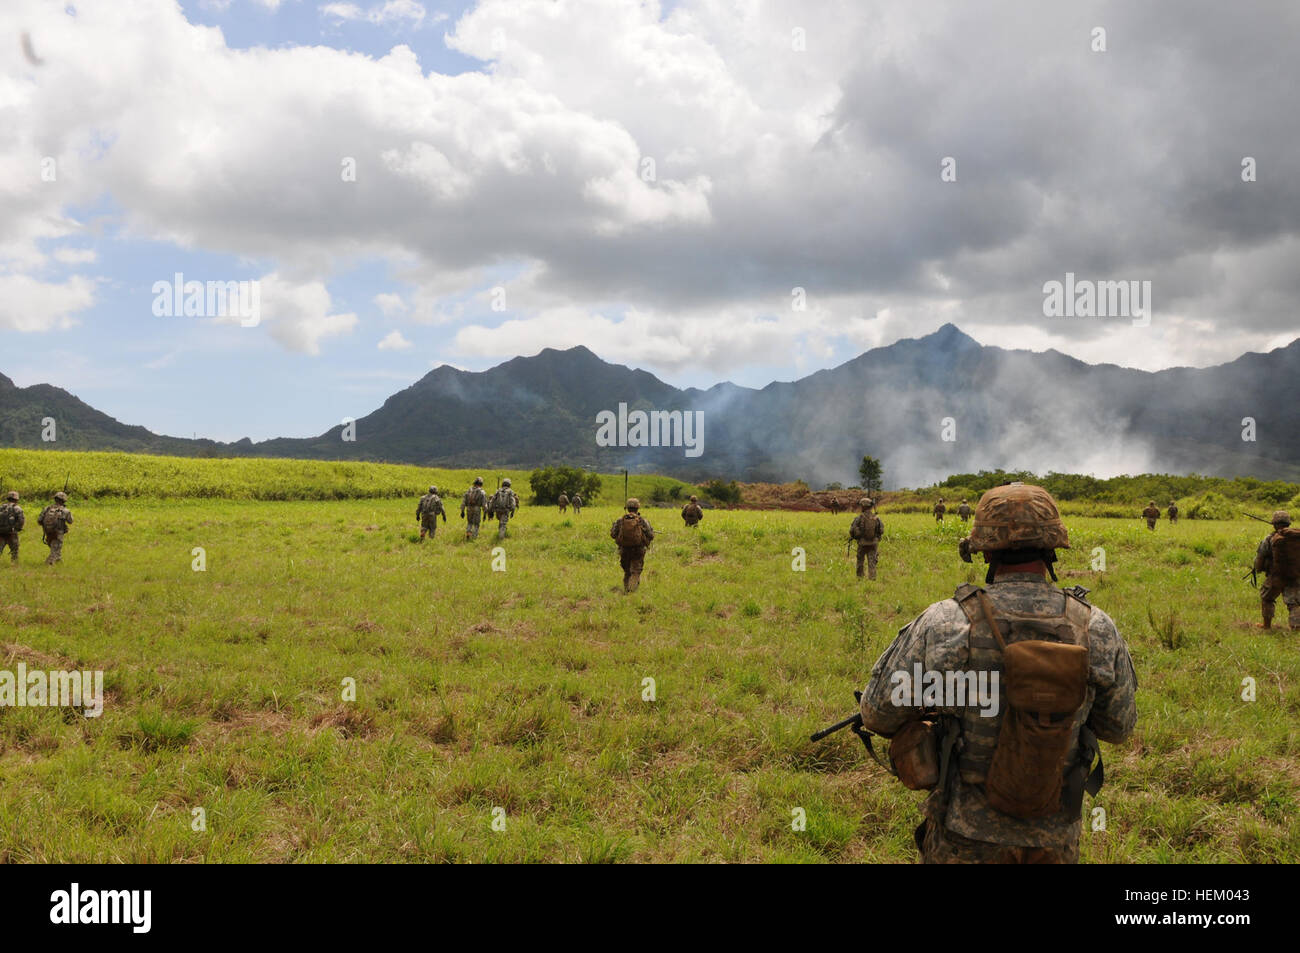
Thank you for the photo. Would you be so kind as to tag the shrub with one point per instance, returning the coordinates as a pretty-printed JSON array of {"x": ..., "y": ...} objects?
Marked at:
[
  {"x": 722, "y": 492},
  {"x": 548, "y": 483}
]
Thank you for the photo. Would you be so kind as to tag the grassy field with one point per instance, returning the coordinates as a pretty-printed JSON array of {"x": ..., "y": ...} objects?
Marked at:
[{"x": 522, "y": 690}]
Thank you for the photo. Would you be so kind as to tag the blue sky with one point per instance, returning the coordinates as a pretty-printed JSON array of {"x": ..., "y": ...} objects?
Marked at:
[{"x": 791, "y": 215}]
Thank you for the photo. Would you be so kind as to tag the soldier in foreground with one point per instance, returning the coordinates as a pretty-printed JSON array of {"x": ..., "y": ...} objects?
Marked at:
[
  {"x": 471, "y": 508},
  {"x": 1008, "y": 774},
  {"x": 1173, "y": 512},
  {"x": 692, "y": 512},
  {"x": 55, "y": 520},
  {"x": 634, "y": 536},
  {"x": 1278, "y": 556},
  {"x": 964, "y": 511},
  {"x": 576, "y": 501},
  {"x": 939, "y": 510},
  {"x": 1151, "y": 514},
  {"x": 564, "y": 502},
  {"x": 867, "y": 529},
  {"x": 427, "y": 512},
  {"x": 503, "y": 504},
  {"x": 12, "y": 521}
]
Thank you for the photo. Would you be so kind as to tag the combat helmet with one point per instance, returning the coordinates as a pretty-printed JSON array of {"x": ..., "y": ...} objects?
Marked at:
[
  {"x": 1016, "y": 517},
  {"x": 13, "y": 495},
  {"x": 1152, "y": 503},
  {"x": 60, "y": 497},
  {"x": 506, "y": 481},
  {"x": 633, "y": 503},
  {"x": 478, "y": 481},
  {"x": 866, "y": 503},
  {"x": 694, "y": 498},
  {"x": 1281, "y": 517},
  {"x": 433, "y": 490}
]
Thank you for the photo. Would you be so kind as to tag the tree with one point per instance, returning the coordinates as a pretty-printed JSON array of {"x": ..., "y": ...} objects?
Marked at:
[
  {"x": 871, "y": 474},
  {"x": 549, "y": 482}
]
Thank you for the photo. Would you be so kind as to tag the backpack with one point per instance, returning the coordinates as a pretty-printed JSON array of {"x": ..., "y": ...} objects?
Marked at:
[
  {"x": 429, "y": 504},
  {"x": 694, "y": 511},
  {"x": 10, "y": 522},
  {"x": 52, "y": 520},
  {"x": 629, "y": 531},
  {"x": 866, "y": 526},
  {"x": 502, "y": 502},
  {"x": 1044, "y": 684},
  {"x": 1286, "y": 555}
]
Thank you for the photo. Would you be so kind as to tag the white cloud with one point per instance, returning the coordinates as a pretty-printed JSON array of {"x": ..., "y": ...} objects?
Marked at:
[
  {"x": 393, "y": 11},
  {"x": 76, "y": 256},
  {"x": 394, "y": 341},
  {"x": 298, "y": 314},
  {"x": 391, "y": 304},
  {"x": 27, "y": 304}
]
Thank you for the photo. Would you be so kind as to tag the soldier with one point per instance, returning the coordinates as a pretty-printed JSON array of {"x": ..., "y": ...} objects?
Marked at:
[
  {"x": 576, "y": 502},
  {"x": 867, "y": 529},
  {"x": 12, "y": 521},
  {"x": 1278, "y": 555},
  {"x": 473, "y": 503},
  {"x": 427, "y": 512},
  {"x": 633, "y": 535},
  {"x": 1173, "y": 512},
  {"x": 993, "y": 799},
  {"x": 564, "y": 503},
  {"x": 834, "y": 506},
  {"x": 692, "y": 512},
  {"x": 503, "y": 505},
  {"x": 939, "y": 510},
  {"x": 55, "y": 520},
  {"x": 964, "y": 511},
  {"x": 1151, "y": 514}
]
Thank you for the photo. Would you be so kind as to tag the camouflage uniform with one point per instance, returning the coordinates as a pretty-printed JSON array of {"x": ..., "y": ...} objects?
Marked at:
[
  {"x": 692, "y": 512},
  {"x": 1151, "y": 514},
  {"x": 939, "y": 510},
  {"x": 504, "y": 504},
  {"x": 834, "y": 507},
  {"x": 960, "y": 825},
  {"x": 55, "y": 520},
  {"x": 1274, "y": 586},
  {"x": 576, "y": 502},
  {"x": 964, "y": 511},
  {"x": 11, "y": 514},
  {"x": 1173, "y": 512},
  {"x": 632, "y": 558},
  {"x": 564, "y": 502},
  {"x": 867, "y": 529},
  {"x": 427, "y": 512},
  {"x": 471, "y": 508}
]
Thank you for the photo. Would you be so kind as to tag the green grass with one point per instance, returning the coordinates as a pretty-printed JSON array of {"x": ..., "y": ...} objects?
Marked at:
[{"x": 524, "y": 689}]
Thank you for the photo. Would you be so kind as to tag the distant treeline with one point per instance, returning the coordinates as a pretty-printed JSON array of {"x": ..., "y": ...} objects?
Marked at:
[{"x": 1198, "y": 497}]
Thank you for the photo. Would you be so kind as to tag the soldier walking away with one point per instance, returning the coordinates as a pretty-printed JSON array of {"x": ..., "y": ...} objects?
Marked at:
[
  {"x": 576, "y": 502},
  {"x": 1151, "y": 514},
  {"x": 564, "y": 503},
  {"x": 964, "y": 511},
  {"x": 692, "y": 512},
  {"x": 12, "y": 521},
  {"x": 834, "y": 506},
  {"x": 939, "y": 510},
  {"x": 1278, "y": 556},
  {"x": 503, "y": 504},
  {"x": 1173, "y": 512},
  {"x": 472, "y": 505},
  {"x": 867, "y": 529},
  {"x": 427, "y": 512},
  {"x": 55, "y": 520},
  {"x": 634, "y": 536},
  {"x": 1007, "y": 773}
]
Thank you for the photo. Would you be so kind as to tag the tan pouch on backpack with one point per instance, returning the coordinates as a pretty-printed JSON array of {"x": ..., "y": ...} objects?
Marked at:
[
  {"x": 629, "y": 531},
  {"x": 1044, "y": 685},
  {"x": 914, "y": 755}
]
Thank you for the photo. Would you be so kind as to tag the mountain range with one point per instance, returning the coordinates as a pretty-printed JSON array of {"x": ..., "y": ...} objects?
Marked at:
[{"x": 926, "y": 407}]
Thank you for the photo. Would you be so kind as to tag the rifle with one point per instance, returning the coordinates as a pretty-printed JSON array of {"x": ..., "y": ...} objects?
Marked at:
[
  {"x": 854, "y": 724},
  {"x": 1254, "y": 517},
  {"x": 1254, "y": 582}
]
